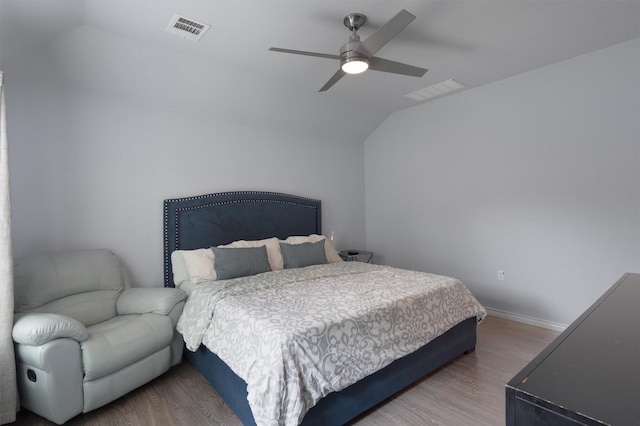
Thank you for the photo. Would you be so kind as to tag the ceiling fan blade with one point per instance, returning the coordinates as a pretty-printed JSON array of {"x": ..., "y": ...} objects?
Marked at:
[
  {"x": 385, "y": 65},
  {"x": 387, "y": 32},
  {"x": 302, "y": 52},
  {"x": 333, "y": 80}
]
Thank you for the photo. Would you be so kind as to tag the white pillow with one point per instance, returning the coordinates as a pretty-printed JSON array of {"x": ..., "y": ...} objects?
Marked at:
[
  {"x": 179, "y": 269},
  {"x": 273, "y": 250},
  {"x": 330, "y": 251},
  {"x": 193, "y": 265}
]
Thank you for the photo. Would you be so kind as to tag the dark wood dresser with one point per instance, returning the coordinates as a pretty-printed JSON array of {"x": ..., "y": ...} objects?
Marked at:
[{"x": 590, "y": 374}]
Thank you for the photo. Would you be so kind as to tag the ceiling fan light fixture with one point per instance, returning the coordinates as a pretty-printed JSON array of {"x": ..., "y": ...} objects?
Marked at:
[{"x": 355, "y": 65}]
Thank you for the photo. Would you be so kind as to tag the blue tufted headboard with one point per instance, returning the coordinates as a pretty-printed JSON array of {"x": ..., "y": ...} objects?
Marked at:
[{"x": 210, "y": 220}]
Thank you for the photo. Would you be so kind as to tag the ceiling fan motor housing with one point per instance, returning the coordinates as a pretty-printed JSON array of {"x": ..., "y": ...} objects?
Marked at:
[{"x": 349, "y": 51}]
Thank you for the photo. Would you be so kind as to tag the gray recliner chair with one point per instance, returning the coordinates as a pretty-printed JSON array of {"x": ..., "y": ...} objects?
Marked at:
[{"x": 81, "y": 339}]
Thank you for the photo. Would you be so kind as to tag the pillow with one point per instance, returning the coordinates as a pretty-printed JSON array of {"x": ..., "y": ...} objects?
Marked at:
[
  {"x": 303, "y": 254},
  {"x": 330, "y": 251},
  {"x": 240, "y": 261},
  {"x": 180, "y": 273},
  {"x": 273, "y": 250},
  {"x": 193, "y": 265}
]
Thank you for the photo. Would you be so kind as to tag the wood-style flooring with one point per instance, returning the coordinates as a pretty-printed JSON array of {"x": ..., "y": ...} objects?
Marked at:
[{"x": 467, "y": 391}]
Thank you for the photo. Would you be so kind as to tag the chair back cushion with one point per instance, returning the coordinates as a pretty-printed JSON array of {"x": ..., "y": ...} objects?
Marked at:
[{"x": 83, "y": 285}]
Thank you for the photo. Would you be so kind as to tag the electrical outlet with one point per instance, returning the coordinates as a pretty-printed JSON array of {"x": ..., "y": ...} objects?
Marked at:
[{"x": 501, "y": 275}]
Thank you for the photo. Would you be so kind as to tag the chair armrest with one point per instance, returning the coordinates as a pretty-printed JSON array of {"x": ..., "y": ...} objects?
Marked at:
[
  {"x": 36, "y": 329},
  {"x": 149, "y": 300}
]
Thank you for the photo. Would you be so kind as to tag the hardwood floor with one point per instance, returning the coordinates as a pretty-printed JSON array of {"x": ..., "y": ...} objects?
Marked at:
[{"x": 467, "y": 391}]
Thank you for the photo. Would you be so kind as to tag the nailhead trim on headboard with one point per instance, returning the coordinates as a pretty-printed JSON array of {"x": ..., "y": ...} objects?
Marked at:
[{"x": 173, "y": 207}]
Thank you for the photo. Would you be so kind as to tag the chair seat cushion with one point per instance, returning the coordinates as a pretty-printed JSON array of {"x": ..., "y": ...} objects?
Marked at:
[{"x": 123, "y": 340}]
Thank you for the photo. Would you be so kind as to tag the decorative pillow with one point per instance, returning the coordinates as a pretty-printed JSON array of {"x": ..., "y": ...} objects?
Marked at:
[
  {"x": 330, "y": 251},
  {"x": 273, "y": 250},
  {"x": 303, "y": 254},
  {"x": 239, "y": 262},
  {"x": 193, "y": 265}
]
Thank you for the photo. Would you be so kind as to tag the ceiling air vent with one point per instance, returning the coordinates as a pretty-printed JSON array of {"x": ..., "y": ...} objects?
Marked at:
[
  {"x": 187, "y": 28},
  {"x": 436, "y": 90}
]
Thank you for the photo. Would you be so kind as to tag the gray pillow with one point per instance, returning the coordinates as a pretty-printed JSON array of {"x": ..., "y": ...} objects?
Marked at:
[
  {"x": 239, "y": 262},
  {"x": 305, "y": 254}
]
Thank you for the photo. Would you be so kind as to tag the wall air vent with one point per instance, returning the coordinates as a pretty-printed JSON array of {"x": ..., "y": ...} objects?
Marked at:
[
  {"x": 436, "y": 90},
  {"x": 187, "y": 28}
]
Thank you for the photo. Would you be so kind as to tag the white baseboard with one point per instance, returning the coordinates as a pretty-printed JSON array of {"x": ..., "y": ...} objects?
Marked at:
[{"x": 526, "y": 319}]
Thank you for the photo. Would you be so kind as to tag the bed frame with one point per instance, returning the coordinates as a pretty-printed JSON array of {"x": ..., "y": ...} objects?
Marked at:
[{"x": 214, "y": 219}]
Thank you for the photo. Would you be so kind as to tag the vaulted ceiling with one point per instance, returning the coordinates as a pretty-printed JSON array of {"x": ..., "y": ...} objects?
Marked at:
[{"x": 120, "y": 48}]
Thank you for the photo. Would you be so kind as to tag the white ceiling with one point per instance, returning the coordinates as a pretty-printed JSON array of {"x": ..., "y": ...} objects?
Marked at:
[{"x": 120, "y": 47}]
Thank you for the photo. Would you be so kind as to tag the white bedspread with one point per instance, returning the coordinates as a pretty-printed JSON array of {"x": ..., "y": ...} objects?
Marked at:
[{"x": 298, "y": 334}]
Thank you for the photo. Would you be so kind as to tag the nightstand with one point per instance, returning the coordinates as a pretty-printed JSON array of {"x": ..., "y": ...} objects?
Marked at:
[{"x": 357, "y": 256}]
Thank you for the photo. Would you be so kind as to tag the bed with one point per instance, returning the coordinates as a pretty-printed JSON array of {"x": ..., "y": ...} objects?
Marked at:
[{"x": 212, "y": 220}]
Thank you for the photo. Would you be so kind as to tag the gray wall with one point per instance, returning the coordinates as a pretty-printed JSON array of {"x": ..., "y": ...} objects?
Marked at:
[
  {"x": 537, "y": 175},
  {"x": 92, "y": 170},
  {"x": 103, "y": 128}
]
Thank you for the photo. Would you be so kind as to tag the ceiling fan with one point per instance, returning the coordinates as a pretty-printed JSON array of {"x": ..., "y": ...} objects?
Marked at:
[{"x": 357, "y": 56}]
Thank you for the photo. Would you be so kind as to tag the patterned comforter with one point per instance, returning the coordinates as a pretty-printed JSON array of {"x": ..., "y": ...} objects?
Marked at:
[{"x": 296, "y": 335}]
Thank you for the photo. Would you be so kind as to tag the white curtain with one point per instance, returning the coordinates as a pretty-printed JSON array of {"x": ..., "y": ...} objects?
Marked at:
[{"x": 8, "y": 390}]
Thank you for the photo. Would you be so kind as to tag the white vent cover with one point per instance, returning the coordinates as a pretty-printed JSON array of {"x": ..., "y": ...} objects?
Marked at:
[
  {"x": 187, "y": 28},
  {"x": 436, "y": 90}
]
